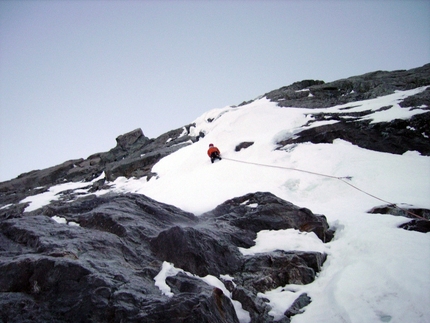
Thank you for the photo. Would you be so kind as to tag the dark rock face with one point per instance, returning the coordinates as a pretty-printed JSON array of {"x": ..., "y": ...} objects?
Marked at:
[
  {"x": 397, "y": 136},
  {"x": 265, "y": 272},
  {"x": 417, "y": 225},
  {"x": 296, "y": 308},
  {"x": 317, "y": 94},
  {"x": 261, "y": 211},
  {"x": 198, "y": 251},
  {"x": 128, "y": 139},
  {"x": 104, "y": 269},
  {"x": 243, "y": 145}
]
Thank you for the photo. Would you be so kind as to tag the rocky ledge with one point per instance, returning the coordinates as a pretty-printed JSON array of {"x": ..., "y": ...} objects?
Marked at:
[
  {"x": 95, "y": 259},
  {"x": 318, "y": 94}
]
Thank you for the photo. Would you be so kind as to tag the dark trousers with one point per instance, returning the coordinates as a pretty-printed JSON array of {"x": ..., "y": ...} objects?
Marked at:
[{"x": 214, "y": 156}]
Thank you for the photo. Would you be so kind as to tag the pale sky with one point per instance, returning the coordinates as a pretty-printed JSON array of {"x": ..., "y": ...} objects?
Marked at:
[{"x": 74, "y": 75}]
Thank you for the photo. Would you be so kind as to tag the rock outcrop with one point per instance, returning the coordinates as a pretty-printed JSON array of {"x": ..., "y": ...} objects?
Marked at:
[
  {"x": 103, "y": 270},
  {"x": 421, "y": 217},
  {"x": 317, "y": 94},
  {"x": 133, "y": 156},
  {"x": 396, "y": 137}
]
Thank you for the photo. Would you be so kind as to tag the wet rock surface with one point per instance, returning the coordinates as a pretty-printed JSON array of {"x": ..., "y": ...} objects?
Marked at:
[{"x": 104, "y": 269}]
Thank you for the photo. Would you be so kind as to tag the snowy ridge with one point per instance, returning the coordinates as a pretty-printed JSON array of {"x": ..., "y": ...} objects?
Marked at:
[{"x": 366, "y": 277}]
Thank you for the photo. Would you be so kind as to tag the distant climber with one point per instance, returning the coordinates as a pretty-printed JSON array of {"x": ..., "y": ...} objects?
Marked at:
[{"x": 214, "y": 153}]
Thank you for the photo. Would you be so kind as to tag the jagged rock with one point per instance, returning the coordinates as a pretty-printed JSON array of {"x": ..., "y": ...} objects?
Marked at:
[
  {"x": 129, "y": 138},
  {"x": 421, "y": 217},
  {"x": 401, "y": 211},
  {"x": 317, "y": 94},
  {"x": 296, "y": 308},
  {"x": 264, "y": 211},
  {"x": 204, "y": 303},
  {"x": 198, "y": 251},
  {"x": 417, "y": 225},
  {"x": 264, "y": 272},
  {"x": 133, "y": 156},
  {"x": 256, "y": 306},
  {"x": 34, "y": 182},
  {"x": 194, "y": 301},
  {"x": 101, "y": 271},
  {"x": 104, "y": 269},
  {"x": 211, "y": 247},
  {"x": 397, "y": 136},
  {"x": 243, "y": 145},
  {"x": 136, "y": 167}
]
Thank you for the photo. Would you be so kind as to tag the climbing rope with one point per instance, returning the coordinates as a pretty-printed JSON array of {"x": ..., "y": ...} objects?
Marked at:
[
  {"x": 289, "y": 168},
  {"x": 342, "y": 178}
]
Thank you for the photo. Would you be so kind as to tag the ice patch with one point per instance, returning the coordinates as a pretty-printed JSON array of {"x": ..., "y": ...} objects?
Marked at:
[
  {"x": 74, "y": 224},
  {"x": 59, "y": 219},
  {"x": 167, "y": 270},
  {"x": 6, "y": 206}
]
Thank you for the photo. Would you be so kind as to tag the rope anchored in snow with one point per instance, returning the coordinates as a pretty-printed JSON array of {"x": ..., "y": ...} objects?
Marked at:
[{"x": 342, "y": 178}]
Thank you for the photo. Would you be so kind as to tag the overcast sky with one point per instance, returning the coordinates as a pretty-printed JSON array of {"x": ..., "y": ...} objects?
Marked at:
[{"x": 76, "y": 74}]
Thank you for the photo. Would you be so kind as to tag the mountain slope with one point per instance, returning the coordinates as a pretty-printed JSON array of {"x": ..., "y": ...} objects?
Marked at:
[
  {"x": 186, "y": 178},
  {"x": 337, "y": 152}
]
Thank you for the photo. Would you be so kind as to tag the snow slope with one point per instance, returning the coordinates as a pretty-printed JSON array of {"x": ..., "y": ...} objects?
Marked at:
[{"x": 375, "y": 272}]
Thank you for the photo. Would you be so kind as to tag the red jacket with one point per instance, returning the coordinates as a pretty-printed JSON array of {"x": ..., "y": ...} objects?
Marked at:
[{"x": 213, "y": 150}]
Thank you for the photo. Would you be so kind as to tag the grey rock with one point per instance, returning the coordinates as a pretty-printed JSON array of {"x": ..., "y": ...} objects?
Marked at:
[
  {"x": 317, "y": 94},
  {"x": 104, "y": 269},
  {"x": 297, "y": 306},
  {"x": 397, "y": 136},
  {"x": 267, "y": 271},
  {"x": 264, "y": 211},
  {"x": 128, "y": 139},
  {"x": 133, "y": 156},
  {"x": 401, "y": 211},
  {"x": 243, "y": 145},
  {"x": 198, "y": 251},
  {"x": 421, "y": 217},
  {"x": 418, "y": 225}
]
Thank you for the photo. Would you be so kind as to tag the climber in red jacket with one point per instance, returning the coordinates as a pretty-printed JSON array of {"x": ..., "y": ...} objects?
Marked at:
[{"x": 213, "y": 153}]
